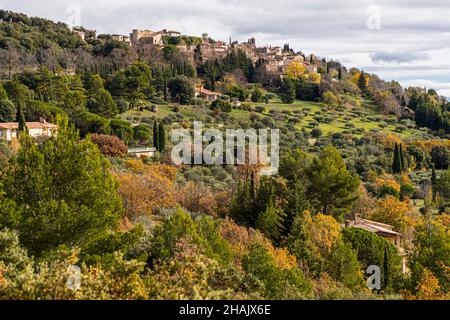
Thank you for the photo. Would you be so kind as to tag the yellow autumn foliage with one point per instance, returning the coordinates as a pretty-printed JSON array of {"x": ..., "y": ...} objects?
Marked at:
[{"x": 295, "y": 70}]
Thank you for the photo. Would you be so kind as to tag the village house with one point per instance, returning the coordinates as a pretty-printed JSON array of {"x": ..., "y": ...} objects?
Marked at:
[
  {"x": 206, "y": 94},
  {"x": 147, "y": 36},
  {"x": 121, "y": 38},
  {"x": 84, "y": 34},
  {"x": 385, "y": 231},
  {"x": 170, "y": 33},
  {"x": 10, "y": 130},
  {"x": 152, "y": 37}
]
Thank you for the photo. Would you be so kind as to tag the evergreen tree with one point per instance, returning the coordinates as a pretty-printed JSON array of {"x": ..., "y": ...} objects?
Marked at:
[
  {"x": 332, "y": 188},
  {"x": 21, "y": 118},
  {"x": 165, "y": 85},
  {"x": 270, "y": 222},
  {"x": 403, "y": 165},
  {"x": 161, "y": 138},
  {"x": 387, "y": 272},
  {"x": 63, "y": 192},
  {"x": 362, "y": 84},
  {"x": 297, "y": 203},
  {"x": 287, "y": 91},
  {"x": 340, "y": 74},
  {"x": 243, "y": 204},
  {"x": 155, "y": 135},
  {"x": 433, "y": 175},
  {"x": 396, "y": 164}
]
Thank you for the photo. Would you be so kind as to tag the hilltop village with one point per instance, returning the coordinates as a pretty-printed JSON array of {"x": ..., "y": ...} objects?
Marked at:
[{"x": 275, "y": 59}]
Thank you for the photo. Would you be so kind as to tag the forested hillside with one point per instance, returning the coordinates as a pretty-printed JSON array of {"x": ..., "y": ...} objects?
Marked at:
[{"x": 354, "y": 149}]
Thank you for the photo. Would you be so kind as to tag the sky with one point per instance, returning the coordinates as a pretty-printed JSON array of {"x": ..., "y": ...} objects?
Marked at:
[{"x": 403, "y": 40}]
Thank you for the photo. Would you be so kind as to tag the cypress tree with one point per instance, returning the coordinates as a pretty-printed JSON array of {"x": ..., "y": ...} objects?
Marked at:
[
  {"x": 396, "y": 164},
  {"x": 161, "y": 138},
  {"x": 387, "y": 269},
  {"x": 362, "y": 82},
  {"x": 433, "y": 175},
  {"x": 340, "y": 74},
  {"x": 403, "y": 166},
  {"x": 242, "y": 209},
  {"x": 155, "y": 135},
  {"x": 21, "y": 118},
  {"x": 165, "y": 84},
  {"x": 434, "y": 185}
]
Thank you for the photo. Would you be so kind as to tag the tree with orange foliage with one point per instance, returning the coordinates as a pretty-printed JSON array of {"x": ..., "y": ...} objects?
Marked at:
[
  {"x": 241, "y": 238},
  {"x": 146, "y": 187},
  {"x": 109, "y": 146},
  {"x": 196, "y": 197},
  {"x": 392, "y": 211},
  {"x": 428, "y": 288},
  {"x": 325, "y": 231}
]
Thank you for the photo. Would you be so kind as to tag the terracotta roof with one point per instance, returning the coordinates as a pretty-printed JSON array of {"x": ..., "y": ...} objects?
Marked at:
[
  {"x": 375, "y": 227},
  {"x": 207, "y": 92},
  {"x": 30, "y": 125}
]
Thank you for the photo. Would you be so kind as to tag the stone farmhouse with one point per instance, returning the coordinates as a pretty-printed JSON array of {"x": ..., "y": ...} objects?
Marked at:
[
  {"x": 10, "y": 130},
  {"x": 207, "y": 94},
  {"x": 383, "y": 230}
]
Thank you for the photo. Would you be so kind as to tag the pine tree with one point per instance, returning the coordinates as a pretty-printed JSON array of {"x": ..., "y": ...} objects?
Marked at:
[
  {"x": 161, "y": 138},
  {"x": 21, "y": 118},
  {"x": 155, "y": 135},
  {"x": 340, "y": 74}
]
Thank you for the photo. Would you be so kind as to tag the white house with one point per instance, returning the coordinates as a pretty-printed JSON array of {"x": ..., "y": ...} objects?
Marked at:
[
  {"x": 9, "y": 130},
  {"x": 142, "y": 152}
]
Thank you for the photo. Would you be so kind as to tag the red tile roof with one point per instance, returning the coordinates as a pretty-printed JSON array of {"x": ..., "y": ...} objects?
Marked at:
[
  {"x": 30, "y": 125},
  {"x": 207, "y": 92}
]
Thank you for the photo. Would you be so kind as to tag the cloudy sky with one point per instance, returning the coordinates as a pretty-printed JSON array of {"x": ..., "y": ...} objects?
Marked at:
[{"x": 404, "y": 40}]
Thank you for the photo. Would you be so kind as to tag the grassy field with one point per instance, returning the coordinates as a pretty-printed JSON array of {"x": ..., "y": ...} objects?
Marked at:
[{"x": 305, "y": 112}]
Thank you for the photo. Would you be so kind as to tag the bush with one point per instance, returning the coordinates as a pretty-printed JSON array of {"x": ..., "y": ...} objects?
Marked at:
[
  {"x": 110, "y": 146},
  {"x": 316, "y": 133},
  {"x": 221, "y": 105},
  {"x": 141, "y": 133},
  {"x": 122, "y": 130},
  {"x": 260, "y": 109}
]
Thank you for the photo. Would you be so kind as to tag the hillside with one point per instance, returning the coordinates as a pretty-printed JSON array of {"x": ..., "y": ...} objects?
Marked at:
[{"x": 363, "y": 178}]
